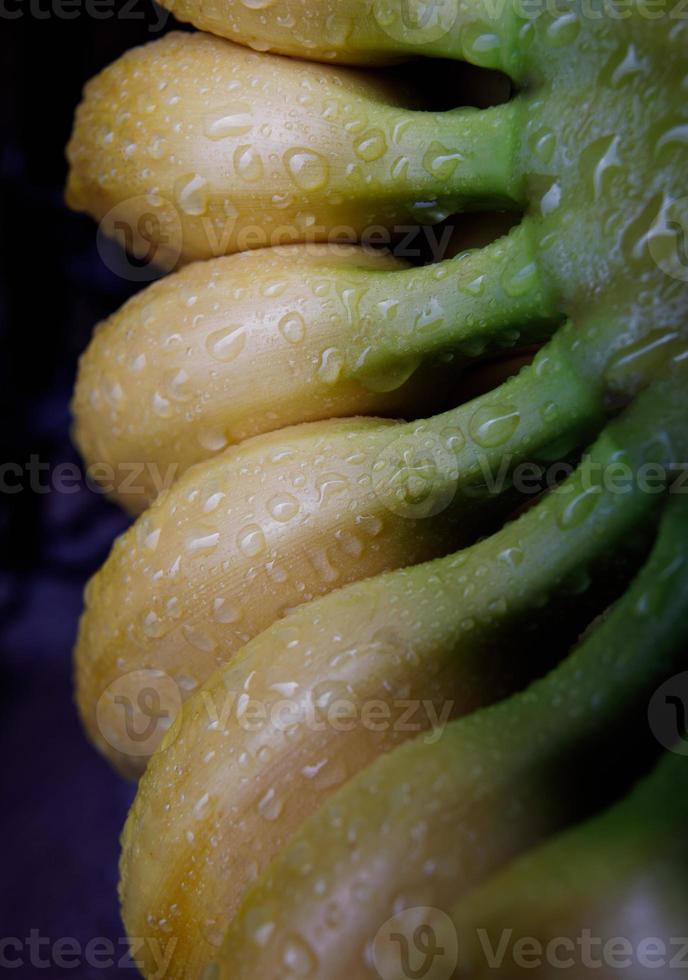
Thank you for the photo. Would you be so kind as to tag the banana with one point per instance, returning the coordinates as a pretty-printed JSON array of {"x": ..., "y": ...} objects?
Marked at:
[
  {"x": 311, "y": 701},
  {"x": 425, "y": 824},
  {"x": 241, "y": 345}
]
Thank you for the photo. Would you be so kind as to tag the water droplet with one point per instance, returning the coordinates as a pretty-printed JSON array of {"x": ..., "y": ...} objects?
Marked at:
[
  {"x": 331, "y": 366},
  {"x": 440, "y": 161},
  {"x": 226, "y": 345},
  {"x": 493, "y": 425},
  {"x": 293, "y": 328},
  {"x": 161, "y": 406},
  {"x": 176, "y": 383},
  {"x": 308, "y": 170},
  {"x": 563, "y": 30},
  {"x": 283, "y": 507},
  {"x": 251, "y": 540},
  {"x": 579, "y": 509},
  {"x": 236, "y": 121},
  {"x": 153, "y": 626},
  {"x": 202, "y": 541},
  {"x": 191, "y": 193},
  {"x": 224, "y": 612},
  {"x": 214, "y": 440},
  {"x": 270, "y": 806},
  {"x": 298, "y": 958},
  {"x": 371, "y": 146},
  {"x": 198, "y": 639},
  {"x": 521, "y": 281},
  {"x": 248, "y": 163}
]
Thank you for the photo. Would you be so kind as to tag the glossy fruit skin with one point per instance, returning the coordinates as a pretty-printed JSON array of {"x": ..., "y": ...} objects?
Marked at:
[
  {"x": 285, "y": 517},
  {"x": 465, "y": 631},
  {"x": 593, "y": 147},
  {"x": 594, "y": 873},
  {"x": 231, "y": 348},
  {"x": 424, "y": 825}
]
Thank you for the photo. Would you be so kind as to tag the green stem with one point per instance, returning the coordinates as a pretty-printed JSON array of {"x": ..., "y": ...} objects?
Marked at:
[
  {"x": 482, "y": 32},
  {"x": 444, "y": 162},
  {"x": 480, "y": 302}
]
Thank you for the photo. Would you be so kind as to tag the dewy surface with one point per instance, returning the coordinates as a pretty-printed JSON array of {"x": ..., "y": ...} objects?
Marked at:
[
  {"x": 218, "y": 140},
  {"x": 594, "y": 145}
]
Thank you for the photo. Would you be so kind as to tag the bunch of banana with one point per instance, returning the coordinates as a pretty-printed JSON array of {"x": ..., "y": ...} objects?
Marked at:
[{"x": 280, "y": 389}]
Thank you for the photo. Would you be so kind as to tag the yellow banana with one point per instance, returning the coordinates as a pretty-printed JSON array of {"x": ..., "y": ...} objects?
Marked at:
[
  {"x": 317, "y": 697},
  {"x": 291, "y": 515},
  {"x": 202, "y": 147},
  {"x": 360, "y": 31},
  {"x": 250, "y": 343}
]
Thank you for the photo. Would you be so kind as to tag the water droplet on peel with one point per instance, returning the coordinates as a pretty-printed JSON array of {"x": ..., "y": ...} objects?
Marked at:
[
  {"x": 563, "y": 30},
  {"x": 293, "y": 328},
  {"x": 440, "y": 161},
  {"x": 226, "y": 345},
  {"x": 331, "y": 366},
  {"x": 191, "y": 194},
  {"x": 198, "y": 639},
  {"x": 298, "y": 958},
  {"x": 248, "y": 163},
  {"x": 283, "y": 507},
  {"x": 270, "y": 806},
  {"x": 161, "y": 406},
  {"x": 521, "y": 281},
  {"x": 214, "y": 440},
  {"x": 251, "y": 540},
  {"x": 224, "y": 612},
  {"x": 236, "y": 121},
  {"x": 371, "y": 146},
  {"x": 579, "y": 509},
  {"x": 308, "y": 170},
  {"x": 493, "y": 425}
]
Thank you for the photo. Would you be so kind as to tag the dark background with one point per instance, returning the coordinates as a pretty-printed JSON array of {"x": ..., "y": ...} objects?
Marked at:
[{"x": 62, "y": 807}]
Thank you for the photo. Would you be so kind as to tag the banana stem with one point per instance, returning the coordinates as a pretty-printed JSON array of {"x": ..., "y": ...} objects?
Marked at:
[
  {"x": 480, "y": 302},
  {"x": 454, "y": 159}
]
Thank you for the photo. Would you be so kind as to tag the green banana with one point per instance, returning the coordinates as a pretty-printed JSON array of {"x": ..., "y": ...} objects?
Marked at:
[
  {"x": 450, "y": 636},
  {"x": 424, "y": 824},
  {"x": 621, "y": 878}
]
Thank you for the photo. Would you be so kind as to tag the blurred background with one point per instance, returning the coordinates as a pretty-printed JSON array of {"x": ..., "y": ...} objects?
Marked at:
[{"x": 64, "y": 808}]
